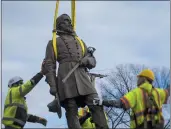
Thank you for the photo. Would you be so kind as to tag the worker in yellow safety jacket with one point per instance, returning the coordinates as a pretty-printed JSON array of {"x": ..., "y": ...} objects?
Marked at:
[
  {"x": 15, "y": 108},
  {"x": 85, "y": 118},
  {"x": 145, "y": 101}
]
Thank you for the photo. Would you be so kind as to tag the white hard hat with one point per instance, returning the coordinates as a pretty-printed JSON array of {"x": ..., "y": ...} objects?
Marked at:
[{"x": 14, "y": 80}]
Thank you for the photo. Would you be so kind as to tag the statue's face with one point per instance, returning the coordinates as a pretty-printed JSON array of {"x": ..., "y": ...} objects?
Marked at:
[
  {"x": 66, "y": 20},
  {"x": 64, "y": 23}
]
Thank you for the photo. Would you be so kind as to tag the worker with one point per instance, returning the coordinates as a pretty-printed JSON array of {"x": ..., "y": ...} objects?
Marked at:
[
  {"x": 15, "y": 108},
  {"x": 85, "y": 117},
  {"x": 77, "y": 91},
  {"x": 145, "y": 101}
]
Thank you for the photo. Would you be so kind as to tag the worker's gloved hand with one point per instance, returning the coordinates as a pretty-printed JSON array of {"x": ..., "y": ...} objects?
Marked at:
[
  {"x": 44, "y": 71},
  {"x": 53, "y": 90},
  {"x": 97, "y": 101},
  {"x": 42, "y": 121}
]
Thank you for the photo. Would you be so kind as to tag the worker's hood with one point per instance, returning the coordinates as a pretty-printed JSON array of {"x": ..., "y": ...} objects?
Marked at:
[
  {"x": 146, "y": 86},
  {"x": 64, "y": 25}
]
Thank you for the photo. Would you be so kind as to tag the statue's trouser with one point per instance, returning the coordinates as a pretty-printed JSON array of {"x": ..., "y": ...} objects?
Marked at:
[{"x": 98, "y": 115}]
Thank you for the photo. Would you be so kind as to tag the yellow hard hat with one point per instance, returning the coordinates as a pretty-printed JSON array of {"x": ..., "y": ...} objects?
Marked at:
[{"x": 147, "y": 73}]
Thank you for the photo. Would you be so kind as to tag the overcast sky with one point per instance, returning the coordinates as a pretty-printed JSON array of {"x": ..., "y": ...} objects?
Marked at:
[{"x": 122, "y": 32}]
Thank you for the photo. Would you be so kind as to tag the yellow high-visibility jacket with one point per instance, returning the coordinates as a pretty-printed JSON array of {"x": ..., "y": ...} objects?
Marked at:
[{"x": 136, "y": 100}]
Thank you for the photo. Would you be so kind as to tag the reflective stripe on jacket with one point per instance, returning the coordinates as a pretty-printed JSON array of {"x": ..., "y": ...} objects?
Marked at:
[{"x": 136, "y": 100}]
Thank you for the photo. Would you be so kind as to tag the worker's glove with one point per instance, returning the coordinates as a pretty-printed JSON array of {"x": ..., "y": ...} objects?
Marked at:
[
  {"x": 44, "y": 71},
  {"x": 42, "y": 121},
  {"x": 53, "y": 91},
  {"x": 97, "y": 101}
]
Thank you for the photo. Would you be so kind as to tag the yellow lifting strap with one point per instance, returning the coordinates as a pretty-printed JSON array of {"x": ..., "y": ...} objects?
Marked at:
[
  {"x": 54, "y": 28},
  {"x": 73, "y": 14},
  {"x": 81, "y": 43}
]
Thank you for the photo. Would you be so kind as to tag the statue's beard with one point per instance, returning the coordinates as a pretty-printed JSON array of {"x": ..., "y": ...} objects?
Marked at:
[{"x": 66, "y": 28}]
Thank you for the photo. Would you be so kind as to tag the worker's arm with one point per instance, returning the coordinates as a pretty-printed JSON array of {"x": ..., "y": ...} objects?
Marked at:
[
  {"x": 113, "y": 103},
  {"x": 164, "y": 94},
  {"x": 29, "y": 85},
  {"x": 126, "y": 102},
  {"x": 82, "y": 119},
  {"x": 109, "y": 103},
  {"x": 50, "y": 65},
  {"x": 36, "y": 119}
]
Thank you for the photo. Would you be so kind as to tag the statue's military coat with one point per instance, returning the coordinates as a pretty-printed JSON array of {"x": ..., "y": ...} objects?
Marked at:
[{"x": 69, "y": 53}]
